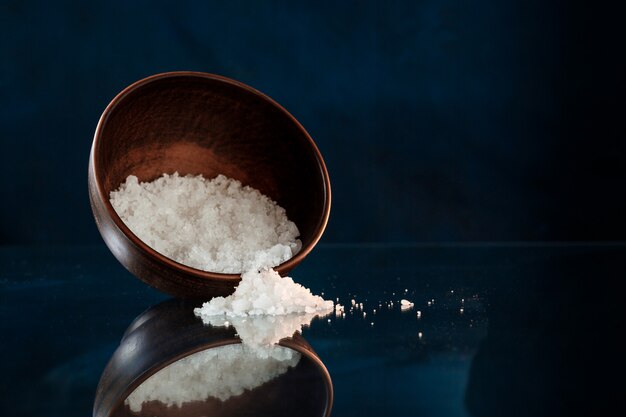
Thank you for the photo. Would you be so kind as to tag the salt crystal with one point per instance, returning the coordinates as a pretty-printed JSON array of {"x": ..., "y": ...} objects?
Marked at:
[{"x": 215, "y": 225}]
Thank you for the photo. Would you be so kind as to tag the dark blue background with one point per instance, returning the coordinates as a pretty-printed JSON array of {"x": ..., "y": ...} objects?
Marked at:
[{"x": 439, "y": 120}]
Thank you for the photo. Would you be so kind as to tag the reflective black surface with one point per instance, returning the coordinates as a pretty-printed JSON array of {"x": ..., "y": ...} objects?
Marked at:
[
  {"x": 169, "y": 363},
  {"x": 538, "y": 333}
]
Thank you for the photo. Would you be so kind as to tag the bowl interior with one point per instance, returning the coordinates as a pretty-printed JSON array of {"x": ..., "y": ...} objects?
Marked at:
[{"x": 201, "y": 124}]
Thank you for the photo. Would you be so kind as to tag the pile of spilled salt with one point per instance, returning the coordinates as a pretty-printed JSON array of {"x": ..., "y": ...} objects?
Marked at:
[
  {"x": 264, "y": 309},
  {"x": 214, "y": 225},
  {"x": 265, "y": 292},
  {"x": 222, "y": 372}
]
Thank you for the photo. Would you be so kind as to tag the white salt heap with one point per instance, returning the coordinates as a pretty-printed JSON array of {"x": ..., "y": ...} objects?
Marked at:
[
  {"x": 221, "y": 373},
  {"x": 264, "y": 309},
  {"x": 215, "y": 225},
  {"x": 265, "y": 292}
]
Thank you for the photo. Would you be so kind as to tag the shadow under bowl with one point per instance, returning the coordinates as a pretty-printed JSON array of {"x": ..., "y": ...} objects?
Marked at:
[{"x": 197, "y": 123}]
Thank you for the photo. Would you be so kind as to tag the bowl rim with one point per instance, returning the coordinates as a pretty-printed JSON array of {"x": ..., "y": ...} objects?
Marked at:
[{"x": 119, "y": 223}]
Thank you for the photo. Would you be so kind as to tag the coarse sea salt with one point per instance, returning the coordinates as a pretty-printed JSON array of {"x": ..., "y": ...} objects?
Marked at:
[
  {"x": 221, "y": 226},
  {"x": 264, "y": 309},
  {"x": 265, "y": 292},
  {"x": 215, "y": 225}
]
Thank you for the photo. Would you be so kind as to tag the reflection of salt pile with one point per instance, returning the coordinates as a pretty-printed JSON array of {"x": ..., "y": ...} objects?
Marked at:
[
  {"x": 221, "y": 373},
  {"x": 264, "y": 309},
  {"x": 261, "y": 333}
]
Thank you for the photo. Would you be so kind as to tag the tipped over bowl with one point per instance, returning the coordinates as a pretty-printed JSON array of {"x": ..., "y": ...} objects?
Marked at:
[{"x": 203, "y": 124}]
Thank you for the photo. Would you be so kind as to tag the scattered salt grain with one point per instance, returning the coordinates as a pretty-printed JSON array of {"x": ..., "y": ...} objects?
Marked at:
[
  {"x": 405, "y": 305},
  {"x": 215, "y": 225}
]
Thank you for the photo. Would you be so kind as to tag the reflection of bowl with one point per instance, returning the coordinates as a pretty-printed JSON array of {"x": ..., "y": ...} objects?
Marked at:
[
  {"x": 169, "y": 332},
  {"x": 197, "y": 123}
]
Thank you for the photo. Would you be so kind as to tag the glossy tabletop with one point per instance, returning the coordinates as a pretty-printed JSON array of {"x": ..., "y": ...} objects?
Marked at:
[{"x": 494, "y": 329}]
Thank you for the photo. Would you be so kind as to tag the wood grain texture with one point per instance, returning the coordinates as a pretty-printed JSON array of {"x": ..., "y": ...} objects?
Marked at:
[{"x": 197, "y": 123}]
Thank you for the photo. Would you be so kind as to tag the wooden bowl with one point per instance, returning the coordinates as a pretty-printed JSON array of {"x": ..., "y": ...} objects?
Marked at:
[
  {"x": 197, "y": 123},
  {"x": 169, "y": 332}
]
